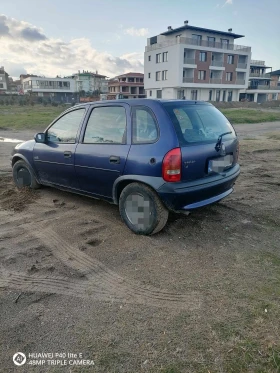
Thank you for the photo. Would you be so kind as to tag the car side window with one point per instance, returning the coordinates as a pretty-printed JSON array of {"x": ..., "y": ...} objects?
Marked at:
[
  {"x": 106, "y": 124},
  {"x": 144, "y": 126},
  {"x": 65, "y": 129}
]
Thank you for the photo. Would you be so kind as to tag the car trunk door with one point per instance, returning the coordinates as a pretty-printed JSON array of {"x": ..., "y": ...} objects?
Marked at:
[{"x": 197, "y": 158}]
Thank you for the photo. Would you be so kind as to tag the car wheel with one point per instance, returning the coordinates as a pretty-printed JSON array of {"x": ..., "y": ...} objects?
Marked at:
[
  {"x": 24, "y": 176},
  {"x": 142, "y": 210}
]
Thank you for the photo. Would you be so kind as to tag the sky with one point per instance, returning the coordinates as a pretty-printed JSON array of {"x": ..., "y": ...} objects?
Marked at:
[{"x": 60, "y": 37}]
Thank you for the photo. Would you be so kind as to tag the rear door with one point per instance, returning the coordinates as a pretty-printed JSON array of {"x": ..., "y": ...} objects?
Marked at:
[
  {"x": 198, "y": 127},
  {"x": 103, "y": 148}
]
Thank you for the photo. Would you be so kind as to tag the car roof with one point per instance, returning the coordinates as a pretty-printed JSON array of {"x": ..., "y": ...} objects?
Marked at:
[{"x": 142, "y": 101}]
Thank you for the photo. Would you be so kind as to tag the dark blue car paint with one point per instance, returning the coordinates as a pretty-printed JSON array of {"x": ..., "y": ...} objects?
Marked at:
[{"x": 90, "y": 172}]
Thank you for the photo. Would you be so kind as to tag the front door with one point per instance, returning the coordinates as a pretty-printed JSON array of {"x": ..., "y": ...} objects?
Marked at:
[
  {"x": 102, "y": 151},
  {"x": 54, "y": 160}
]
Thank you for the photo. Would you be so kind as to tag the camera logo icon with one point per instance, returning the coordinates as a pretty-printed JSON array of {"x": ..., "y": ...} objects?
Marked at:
[{"x": 19, "y": 358}]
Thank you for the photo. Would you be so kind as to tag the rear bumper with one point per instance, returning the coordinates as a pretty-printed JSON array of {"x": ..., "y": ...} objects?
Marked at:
[{"x": 198, "y": 193}]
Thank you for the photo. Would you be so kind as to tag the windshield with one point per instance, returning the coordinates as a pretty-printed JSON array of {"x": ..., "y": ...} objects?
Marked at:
[{"x": 198, "y": 123}]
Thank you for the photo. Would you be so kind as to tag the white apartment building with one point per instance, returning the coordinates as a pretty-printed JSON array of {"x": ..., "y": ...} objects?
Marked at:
[
  {"x": 196, "y": 63},
  {"x": 60, "y": 89}
]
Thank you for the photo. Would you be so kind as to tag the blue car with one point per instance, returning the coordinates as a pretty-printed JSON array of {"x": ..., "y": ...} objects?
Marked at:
[{"x": 148, "y": 157}]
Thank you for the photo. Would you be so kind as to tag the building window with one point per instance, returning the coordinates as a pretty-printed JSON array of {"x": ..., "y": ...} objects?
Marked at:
[
  {"x": 210, "y": 95},
  {"x": 149, "y": 58},
  {"x": 274, "y": 96},
  {"x": 218, "y": 94},
  {"x": 150, "y": 93},
  {"x": 224, "y": 95},
  {"x": 180, "y": 94},
  {"x": 211, "y": 41},
  {"x": 203, "y": 56},
  {"x": 164, "y": 75},
  {"x": 158, "y": 58},
  {"x": 230, "y": 59},
  {"x": 225, "y": 43},
  {"x": 149, "y": 75},
  {"x": 159, "y": 93},
  {"x": 157, "y": 75},
  {"x": 194, "y": 94},
  {"x": 1, "y": 85},
  {"x": 196, "y": 39},
  {"x": 229, "y": 77},
  {"x": 229, "y": 96},
  {"x": 165, "y": 57},
  {"x": 202, "y": 75}
]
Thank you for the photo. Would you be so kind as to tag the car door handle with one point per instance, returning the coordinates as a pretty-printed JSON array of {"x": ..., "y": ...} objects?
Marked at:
[
  {"x": 115, "y": 159},
  {"x": 67, "y": 154}
]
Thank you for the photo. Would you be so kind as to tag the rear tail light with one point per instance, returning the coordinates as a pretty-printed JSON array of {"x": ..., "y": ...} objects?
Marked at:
[{"x": 171, "y": 165}]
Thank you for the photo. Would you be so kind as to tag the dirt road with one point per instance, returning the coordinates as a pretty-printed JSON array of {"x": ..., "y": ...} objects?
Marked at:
[{"x": 201, "y": 296}]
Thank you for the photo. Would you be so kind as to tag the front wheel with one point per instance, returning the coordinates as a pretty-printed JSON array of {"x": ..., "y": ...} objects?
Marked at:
[
  {"x": 24, "y": 176},
  {"x": 142, "y": 210}
]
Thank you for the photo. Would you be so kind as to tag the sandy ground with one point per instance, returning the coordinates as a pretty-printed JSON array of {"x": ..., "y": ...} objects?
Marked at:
[{"x": 74, "y": 279}]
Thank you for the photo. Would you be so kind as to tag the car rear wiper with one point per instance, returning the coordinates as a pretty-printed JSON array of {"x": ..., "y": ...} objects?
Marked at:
[{"x": 219, "y": 142}]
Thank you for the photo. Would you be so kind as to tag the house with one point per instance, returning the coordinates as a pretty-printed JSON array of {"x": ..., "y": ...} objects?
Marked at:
[
  {"x": 275, "y": 82},
  {"x": 196, "y": 63},
  {"x": 263, "y": 85},
  {"x": 90, "y": 82},
  {"x": 130, "y": 85},
  {"x": 57, "y": 89},
  {"x": 4, "y": 80}
]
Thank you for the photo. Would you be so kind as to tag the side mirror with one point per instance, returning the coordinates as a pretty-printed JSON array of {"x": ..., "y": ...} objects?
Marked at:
[{"x": 40, "y": 138}]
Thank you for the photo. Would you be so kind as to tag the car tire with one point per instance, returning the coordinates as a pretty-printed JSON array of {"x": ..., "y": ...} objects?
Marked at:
[
  {"x": 152, "y": 218},
  {"x": 24, "y": 176}
]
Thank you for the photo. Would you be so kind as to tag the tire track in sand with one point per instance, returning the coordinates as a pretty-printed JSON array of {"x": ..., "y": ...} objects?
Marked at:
[
  {"x": 97, "y": 281},
  {"x": 101, "y": 277}
]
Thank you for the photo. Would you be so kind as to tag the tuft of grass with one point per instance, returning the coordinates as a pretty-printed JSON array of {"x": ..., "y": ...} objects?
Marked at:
[{"x": 250, "y": 116}]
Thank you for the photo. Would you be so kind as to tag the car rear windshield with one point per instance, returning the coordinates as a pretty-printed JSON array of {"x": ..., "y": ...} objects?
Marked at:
[{"x": 198, "y": 123}]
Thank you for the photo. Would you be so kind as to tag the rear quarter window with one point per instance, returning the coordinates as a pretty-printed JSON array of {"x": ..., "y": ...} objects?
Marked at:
[{"x": 144, "y": 126}]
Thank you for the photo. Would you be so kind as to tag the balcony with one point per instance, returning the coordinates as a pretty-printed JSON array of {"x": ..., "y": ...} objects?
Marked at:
[
  {"x": 217, "y": 63},
  {"x": 259, "y": 75},
  {"x": 39, "y": 87},
  {"x": 242, "y": 65},
  {"x": 215, "y": 81},
  {"x": 257, "y": 62},
  {"x": 189, "y": 61},
  {"x": 201, "y": 43},
  {"x": 187, "y": 80},
  {"x": 265, "y": 87},
  {"x": 240, "y": 81}
]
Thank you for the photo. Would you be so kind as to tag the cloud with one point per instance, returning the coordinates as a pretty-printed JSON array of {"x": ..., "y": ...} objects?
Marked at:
[
  {"x": 25, "y": 48},
  {"x": 32, "y": 34},
  {"x": 136, "y": 32},
  {"x": 4, "y": 29}
]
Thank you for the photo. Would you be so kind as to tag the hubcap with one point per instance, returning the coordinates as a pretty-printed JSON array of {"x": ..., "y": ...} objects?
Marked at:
[
  {"x": 138, "y": 210},
  {"x": 23, "y": 177}
]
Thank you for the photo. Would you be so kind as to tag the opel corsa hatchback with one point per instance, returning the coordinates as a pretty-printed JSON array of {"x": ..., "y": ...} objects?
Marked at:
[{"x": 148, "y": 157}]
